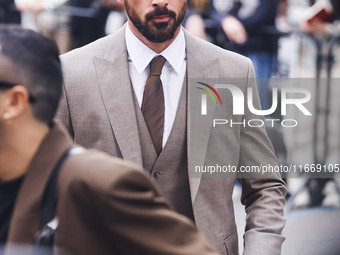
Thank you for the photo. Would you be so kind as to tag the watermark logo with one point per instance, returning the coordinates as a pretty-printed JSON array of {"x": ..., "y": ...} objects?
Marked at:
[
  {"x": 239, "y": 99},
  {"x": 296, "y": 97},
  {"x": 204, "y": 97}
]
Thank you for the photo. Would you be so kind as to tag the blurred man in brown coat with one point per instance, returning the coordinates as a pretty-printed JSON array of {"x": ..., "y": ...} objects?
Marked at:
[{"x": 105, "y": 205}]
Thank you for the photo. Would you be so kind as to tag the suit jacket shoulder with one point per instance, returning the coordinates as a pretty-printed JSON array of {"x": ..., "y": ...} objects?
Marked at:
[
  {"x": 231, "y": 64},
  {"x": 78, "y": 65},
  {"x": 106, "y": 47}
]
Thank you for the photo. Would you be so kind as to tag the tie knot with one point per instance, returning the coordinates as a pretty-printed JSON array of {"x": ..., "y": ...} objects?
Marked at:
[{"x": 156, "y": 65}]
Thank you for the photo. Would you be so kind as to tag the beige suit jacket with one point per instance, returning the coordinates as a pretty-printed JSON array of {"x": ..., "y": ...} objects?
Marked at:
[
  {"x": 98, "y": 110},
  {"x": 105, "y": 206}
]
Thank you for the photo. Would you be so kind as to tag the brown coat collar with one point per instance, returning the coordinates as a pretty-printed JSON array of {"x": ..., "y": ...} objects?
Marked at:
[{"x": 26, "y": 216}]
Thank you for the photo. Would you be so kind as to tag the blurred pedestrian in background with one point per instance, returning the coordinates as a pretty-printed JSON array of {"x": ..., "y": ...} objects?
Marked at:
[
  {"x": 323, "y": 17},
  {"x": 87, "y": 29},
  {"x": 9, "y": 13},
  {"x": 322, "y": 22},
  {"x": 197, "y": 13},
  {"x": 249, "y": 28},
  {"x": 72, "y": 23}
]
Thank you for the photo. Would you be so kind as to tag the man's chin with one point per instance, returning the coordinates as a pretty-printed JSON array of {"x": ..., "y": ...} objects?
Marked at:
[
  {"x": 160, "y": 26},
  {"x": 158, "y": 32}
]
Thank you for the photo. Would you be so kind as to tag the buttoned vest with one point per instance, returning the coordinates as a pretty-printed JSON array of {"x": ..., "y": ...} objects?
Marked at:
[{"x": 170, "y": 169}]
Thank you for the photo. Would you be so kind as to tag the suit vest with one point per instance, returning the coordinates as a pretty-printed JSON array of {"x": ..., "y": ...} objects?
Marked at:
[{"x": 170, "y": 169}]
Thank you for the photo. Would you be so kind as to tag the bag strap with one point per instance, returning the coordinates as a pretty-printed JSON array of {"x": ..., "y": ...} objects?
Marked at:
[{"x": 50, "y": 197}]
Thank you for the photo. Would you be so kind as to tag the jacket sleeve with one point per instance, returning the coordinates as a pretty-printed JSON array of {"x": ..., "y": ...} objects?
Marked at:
[
  {"x": 262, "y": 195},
  {"x": 144, "y": 222},
  {"x": 127, "y": 212}
]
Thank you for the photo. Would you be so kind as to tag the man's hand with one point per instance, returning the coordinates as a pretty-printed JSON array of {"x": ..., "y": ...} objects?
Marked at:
[
  {"x": 35, "y": 7},
  {"x": 315, "y": 27},
  {"x": 195, "y": 25},
  {"x": 234, "y": 30}
]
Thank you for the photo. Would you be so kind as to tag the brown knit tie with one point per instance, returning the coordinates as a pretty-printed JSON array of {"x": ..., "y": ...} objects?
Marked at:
[{"x": 153, "y": 103}]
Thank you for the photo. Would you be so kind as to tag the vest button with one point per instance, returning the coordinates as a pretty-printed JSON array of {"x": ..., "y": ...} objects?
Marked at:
[{"x": 157, "y": 174}]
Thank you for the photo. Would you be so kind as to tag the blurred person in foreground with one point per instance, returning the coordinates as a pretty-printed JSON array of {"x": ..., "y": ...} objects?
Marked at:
[
  {"x": 128, "y": 95},
  {"x": 105, "y": 205}
]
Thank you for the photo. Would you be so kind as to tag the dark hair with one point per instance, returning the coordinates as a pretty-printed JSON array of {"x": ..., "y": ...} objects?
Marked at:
[{"x": 35, "y": 60}]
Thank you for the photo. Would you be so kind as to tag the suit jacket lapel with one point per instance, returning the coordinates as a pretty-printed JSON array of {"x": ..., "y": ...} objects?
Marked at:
[
  {"x": 200, "y": 67},
  {"x": 116, "y": 90}
]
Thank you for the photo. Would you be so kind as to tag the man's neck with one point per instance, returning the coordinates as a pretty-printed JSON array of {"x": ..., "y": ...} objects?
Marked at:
[
  {"x": 156, "y": 47},
  {"x": 18, "y": 149}
]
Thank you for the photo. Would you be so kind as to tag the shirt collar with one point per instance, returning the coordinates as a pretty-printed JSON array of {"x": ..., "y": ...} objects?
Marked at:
[{"x": 141, "y": 55}]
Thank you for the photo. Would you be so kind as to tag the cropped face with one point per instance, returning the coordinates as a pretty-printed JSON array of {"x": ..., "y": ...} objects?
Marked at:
[
  {"x": 2, "y": 112},
  {"x": 156, "y": 20},
  {"x": 2, "y": 136}
]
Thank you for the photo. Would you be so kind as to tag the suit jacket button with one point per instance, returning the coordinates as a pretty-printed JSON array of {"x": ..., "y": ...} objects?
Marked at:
[{"x": 157, "y": 174}]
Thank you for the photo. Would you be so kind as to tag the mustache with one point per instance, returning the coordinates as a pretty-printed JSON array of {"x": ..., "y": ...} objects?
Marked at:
[{"x": 159, "y": 11}]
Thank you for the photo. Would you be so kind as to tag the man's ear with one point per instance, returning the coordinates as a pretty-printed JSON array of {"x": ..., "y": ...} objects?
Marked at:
[
  {"x": 120, "y": 1},
  {"x": 17, "y": 101}
]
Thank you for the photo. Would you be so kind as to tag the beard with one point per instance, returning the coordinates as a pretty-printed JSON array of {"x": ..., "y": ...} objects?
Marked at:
[{"x": 157, "y": 32}]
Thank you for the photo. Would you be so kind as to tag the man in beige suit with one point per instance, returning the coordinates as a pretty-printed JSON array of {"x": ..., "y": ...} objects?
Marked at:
[
  {"x": 103, "y": 106},
  {"x": 104, "y": 205}
]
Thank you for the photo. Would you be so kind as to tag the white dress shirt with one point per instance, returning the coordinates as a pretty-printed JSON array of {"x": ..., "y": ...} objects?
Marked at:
[{"x": 172, "y": 77}]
